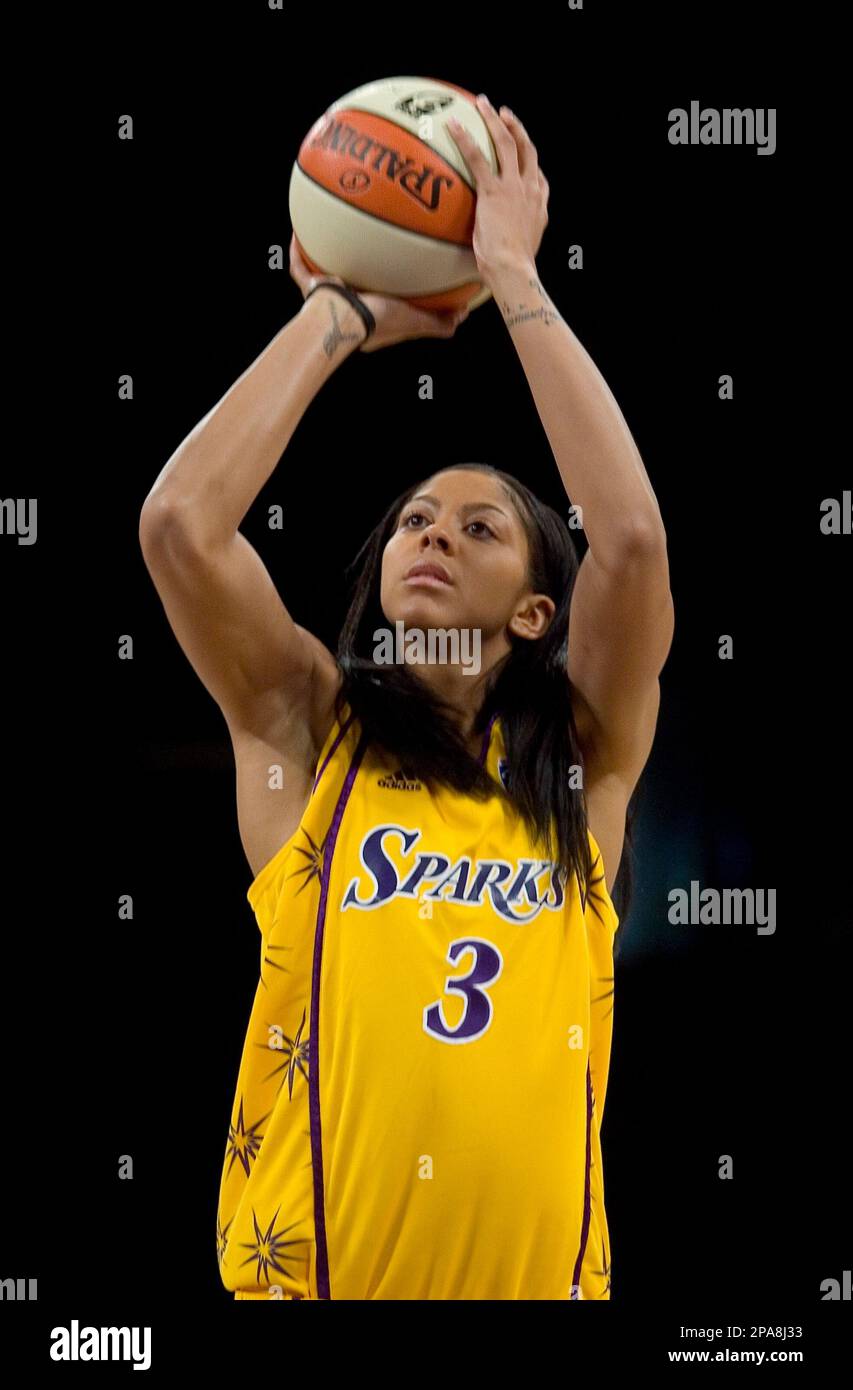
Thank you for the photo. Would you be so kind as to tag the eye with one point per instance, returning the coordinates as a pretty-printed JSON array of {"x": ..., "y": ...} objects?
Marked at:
[{"x": 412, "y": 516}]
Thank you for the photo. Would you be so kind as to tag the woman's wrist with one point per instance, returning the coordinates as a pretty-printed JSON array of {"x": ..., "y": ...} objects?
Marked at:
[
  {"x": 508, "y": 272},
  {"x": 341, "y": 327}
]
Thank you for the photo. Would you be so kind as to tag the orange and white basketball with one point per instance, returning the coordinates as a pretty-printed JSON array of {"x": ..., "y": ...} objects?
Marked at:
[{"x": 381, "y": 196}]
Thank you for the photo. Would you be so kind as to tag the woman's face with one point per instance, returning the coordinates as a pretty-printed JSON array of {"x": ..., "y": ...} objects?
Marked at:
[{"x": 463, "y": 522}]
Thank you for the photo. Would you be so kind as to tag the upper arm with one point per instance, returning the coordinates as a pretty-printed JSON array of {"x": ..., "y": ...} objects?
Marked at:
[
  {"x": 231, "y": 624},
  {"x": 620, "y": 631}
]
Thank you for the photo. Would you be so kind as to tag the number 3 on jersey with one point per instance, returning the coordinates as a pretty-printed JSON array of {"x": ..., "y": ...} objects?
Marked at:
[{"x": 487, "y": 966}]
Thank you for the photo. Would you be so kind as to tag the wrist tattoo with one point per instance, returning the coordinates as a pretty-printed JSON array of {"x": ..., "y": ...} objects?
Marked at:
[
  {"x": 336, "y": 335},
  {"x": 520, "y": 313}
]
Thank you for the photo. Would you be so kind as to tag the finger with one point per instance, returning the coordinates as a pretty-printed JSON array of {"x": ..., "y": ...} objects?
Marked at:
[
  {"x": 442, "y": 323},
  {"x": 528, "y": 159},
  {"x": 504, "y": 142},
  {"x": 441, "y": 318},
  {"x": 470, "y": 150}
]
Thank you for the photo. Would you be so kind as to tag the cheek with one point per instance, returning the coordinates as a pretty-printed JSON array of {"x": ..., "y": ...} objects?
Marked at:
[
  {"x": 498, "y": 573},
  {"x": 496, "y": 586},
  {"x": 390, "y": 555}
]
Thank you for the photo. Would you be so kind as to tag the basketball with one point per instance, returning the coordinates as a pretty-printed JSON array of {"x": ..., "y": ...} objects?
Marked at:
[{"x": 381, "y": 196}]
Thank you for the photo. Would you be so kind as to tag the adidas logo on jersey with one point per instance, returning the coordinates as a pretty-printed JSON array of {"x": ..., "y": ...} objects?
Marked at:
[{"x": 396, "y": 782}]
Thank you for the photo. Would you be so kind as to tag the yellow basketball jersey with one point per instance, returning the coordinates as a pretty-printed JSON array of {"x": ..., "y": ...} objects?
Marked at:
[{"x": 422, "y": 1085}]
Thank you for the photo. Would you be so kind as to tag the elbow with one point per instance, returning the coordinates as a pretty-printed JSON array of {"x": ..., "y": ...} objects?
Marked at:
[
  {"x": 153, "y": 520},
  {"x": 641, "y": 542},
  {"x": 159, "y": 524},
  {"x": 647, "y": 539}
]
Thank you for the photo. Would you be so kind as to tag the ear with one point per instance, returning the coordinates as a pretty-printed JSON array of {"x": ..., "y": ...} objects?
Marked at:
[{"x": 534, "y": 618}]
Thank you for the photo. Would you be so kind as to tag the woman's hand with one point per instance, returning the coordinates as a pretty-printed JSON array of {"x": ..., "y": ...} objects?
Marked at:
[
  {"x": 512, "y": 205},
  {"x": 396, "y": 321}
]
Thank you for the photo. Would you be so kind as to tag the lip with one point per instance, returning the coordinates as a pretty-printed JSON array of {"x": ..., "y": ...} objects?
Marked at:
[{"x": 430, "y": 573}]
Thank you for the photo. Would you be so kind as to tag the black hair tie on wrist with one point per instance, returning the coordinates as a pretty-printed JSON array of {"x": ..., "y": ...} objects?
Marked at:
[{"x": 362, "y": 309}]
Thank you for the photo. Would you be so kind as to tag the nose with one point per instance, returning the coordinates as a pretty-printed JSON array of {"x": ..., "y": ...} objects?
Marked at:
[{"x": 433, "y": 535}]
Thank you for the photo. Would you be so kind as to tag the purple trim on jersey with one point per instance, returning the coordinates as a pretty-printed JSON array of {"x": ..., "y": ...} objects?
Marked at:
[
  {"x": 314, "y": 1050},
  {"x": 330, "y": 752},
  {"x": 576, "y": 1277},
  {"x": 487, "y": 739}
]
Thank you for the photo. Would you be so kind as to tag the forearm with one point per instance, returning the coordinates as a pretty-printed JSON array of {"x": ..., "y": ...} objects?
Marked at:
[
  {"x": 214, "y": 476},
  {"x": 599, "y": 463}
]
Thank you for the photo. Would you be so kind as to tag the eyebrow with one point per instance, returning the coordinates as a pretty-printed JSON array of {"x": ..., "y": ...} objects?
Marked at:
[{"x": 466, "y": 506}]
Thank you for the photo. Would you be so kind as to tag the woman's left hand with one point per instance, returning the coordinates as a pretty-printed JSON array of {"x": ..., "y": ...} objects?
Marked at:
[{"x": 512, "y": 205}]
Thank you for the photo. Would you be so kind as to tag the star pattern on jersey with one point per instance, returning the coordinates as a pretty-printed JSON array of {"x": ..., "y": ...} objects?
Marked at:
[
  {"x": 591, "y": 896},
  {"x": 608, "y": 993},
  {"x": 274, "y": 963},
  {"x": 605, "y": 1272},
  {"x": 314, "y": 855},
  {"x": 269, "y": 1247},
  {"x": 295, "y": 1056},
  {"x": 243, "y": 1144},
  {"x": 221, "y": 1239},
  {"x": 311, "y": 870}
]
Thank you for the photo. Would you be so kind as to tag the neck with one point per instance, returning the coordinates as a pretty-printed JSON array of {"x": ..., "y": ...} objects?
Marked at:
[{"x": 465, "y": 695}]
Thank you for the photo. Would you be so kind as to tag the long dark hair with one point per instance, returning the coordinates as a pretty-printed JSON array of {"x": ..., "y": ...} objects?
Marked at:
[{"x": 529, "y": 689}]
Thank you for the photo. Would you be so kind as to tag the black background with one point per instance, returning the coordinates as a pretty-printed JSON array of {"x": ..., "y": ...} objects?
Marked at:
[{"x": 124, "y": 1038}]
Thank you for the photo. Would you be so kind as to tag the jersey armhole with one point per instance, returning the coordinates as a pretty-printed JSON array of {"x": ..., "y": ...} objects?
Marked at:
[
  {"x": 599, "y": 900},
  {"x": 268, "y": 873}
]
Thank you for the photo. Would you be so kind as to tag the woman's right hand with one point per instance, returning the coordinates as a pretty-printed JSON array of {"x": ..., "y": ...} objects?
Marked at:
[{"x": 396, "y": 320}]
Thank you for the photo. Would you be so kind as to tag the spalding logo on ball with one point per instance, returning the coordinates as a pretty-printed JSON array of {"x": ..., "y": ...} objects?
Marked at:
[{"x": 381, "y": 196}]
